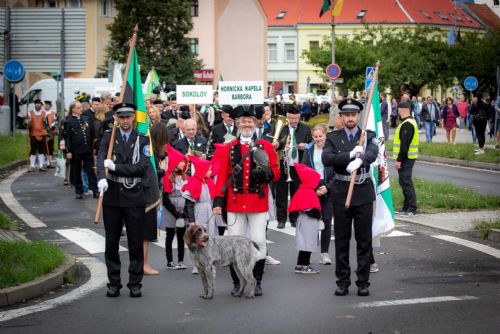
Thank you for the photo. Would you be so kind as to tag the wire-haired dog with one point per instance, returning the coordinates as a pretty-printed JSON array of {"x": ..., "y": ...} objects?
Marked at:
[{"x": 209, "y": 251}]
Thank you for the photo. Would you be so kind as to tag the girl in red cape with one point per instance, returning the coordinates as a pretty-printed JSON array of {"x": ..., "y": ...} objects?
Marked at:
[
  {"x": 306, "y": 203},
  {"x": 176, "y": 212},
  {"x": 199, "y": 191}
]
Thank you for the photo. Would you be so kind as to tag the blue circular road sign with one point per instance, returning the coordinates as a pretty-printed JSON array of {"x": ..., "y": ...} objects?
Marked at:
[
  {"x": 471, "y": 83},
  {"x": 333, "y": 71},
  {"x": 13, "y": 70}
]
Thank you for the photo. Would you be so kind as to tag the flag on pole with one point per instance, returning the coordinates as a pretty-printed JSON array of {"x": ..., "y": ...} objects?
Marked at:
[
  {"x": 383, "y": 220},
  {"x": 271, "y": 89},
  {"x": 325, "y": 7},
  {"x": 451, "y": 36},
  {"x": 152, "y": 81},
  {"x": 133, "y": 94},
  {"x": 337, "y": 8}
]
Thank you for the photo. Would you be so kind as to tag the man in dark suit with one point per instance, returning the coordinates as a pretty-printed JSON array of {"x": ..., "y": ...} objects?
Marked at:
[
  {"x": 78, "y": 136},
  {"x": 191, "y": 139},
  {"x": 261, "y": 130},
  {"x": 292, "y": 142},
  {"x": 176, "y": 131},
  {"x": 345, "y": 154},
  {"x": 124, "y": 199},
  {"x": 223, "y": 131}
]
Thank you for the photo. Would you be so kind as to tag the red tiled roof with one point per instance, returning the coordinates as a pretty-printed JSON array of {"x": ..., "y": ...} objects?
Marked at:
[
  {"x": 446, "y": 8},
  {"x": 377, "y": 11},
  {"x": 485, "y": 14}
]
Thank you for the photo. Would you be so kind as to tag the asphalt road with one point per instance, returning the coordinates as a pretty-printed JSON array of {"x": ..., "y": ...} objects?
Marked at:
[{"x": 425, "y": 285}]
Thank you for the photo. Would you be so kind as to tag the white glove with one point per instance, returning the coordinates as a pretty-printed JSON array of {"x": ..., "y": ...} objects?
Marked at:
[
  {"x": 102, "y": 185},
  {"x": 353, "y": 165},
  {"x": 109, "y": 164},
  {"x": 356, "y": 150}
]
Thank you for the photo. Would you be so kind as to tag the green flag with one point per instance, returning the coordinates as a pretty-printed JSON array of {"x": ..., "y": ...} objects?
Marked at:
[
  {"x": 325, "y": 7},
  {"x": 152, "y": 81},
  {"x": 133, "y": 94}
]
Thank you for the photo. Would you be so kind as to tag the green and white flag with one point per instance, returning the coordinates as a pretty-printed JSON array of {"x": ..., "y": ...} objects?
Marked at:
[
  {"x": 383, "y": 220},
  {"x": 152, "y": 81}
]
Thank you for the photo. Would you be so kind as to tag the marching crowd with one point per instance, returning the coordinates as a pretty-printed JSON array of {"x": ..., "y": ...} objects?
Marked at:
[{"x": 232, "y": 170}]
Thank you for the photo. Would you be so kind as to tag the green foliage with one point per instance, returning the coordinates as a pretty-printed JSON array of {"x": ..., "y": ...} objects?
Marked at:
[
  {"x": 435, "y": 197},
  {"x": 411, "y": 58},
  {"x": 24, "y": 261},
  {"x": 5, "y": 222},
  {"x": 161, "y": 40}
]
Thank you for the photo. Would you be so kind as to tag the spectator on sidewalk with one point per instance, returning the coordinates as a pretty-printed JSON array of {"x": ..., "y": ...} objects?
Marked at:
[
  {"x": 479, "y": 110},
  {"x": 405, "y": 152},
  {"x": 430, "y": 115},
  {"x": 462, "y": 110},
  {"x": 450, "y": 116},
  {"x": 418, "y": 112},
  {"x": 394, "y": 113},
  {"x": 470, "y": 118},
  {"x": 384, "y": 112},
  {"x": 497, "y": 122}
]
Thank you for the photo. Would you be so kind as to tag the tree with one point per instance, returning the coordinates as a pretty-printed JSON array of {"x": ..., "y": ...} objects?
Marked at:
[{"x": 161, "y": 40}]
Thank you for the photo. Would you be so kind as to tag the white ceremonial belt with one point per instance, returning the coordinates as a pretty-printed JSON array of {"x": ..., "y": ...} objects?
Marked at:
[{"x": 347, "y": 178}]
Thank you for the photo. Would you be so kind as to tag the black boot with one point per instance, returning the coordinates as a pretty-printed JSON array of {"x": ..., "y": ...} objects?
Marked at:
[
  {"x": 258, "y": 272},
  {"x": 236, "y": 282}
]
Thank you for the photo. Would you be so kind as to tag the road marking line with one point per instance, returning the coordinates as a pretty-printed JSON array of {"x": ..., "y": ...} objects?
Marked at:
[
  {"x": 87, "y": 239},
  {"x": 11, "y": 202},
  {"x": 471, "y": 244},
  {"x": 97, "y": 280},
  {"x": 399, "y": 302},
  {"x": 397, "y": 233}
]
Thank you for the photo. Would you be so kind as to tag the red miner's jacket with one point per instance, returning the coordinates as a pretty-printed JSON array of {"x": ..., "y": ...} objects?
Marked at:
[{"x": 245, "y": 193}]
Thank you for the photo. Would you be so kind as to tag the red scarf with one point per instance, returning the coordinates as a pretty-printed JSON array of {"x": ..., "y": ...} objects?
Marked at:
[
  {"x": 305, "y": 197},
  {"x": 195, "y": 183}
]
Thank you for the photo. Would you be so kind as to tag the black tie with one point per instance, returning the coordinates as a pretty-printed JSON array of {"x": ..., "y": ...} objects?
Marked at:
[
  {"x": 125, "y": 139},
  {"x": 351, "y": 138}
]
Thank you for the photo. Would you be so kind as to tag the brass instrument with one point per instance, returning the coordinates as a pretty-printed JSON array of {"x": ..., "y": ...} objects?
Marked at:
[
  {"x": 196, "y": 153},
  {"x": 286, "y": 160},
  {"x": 209, "y": 143},
  {"x": 280, "y": 121}
]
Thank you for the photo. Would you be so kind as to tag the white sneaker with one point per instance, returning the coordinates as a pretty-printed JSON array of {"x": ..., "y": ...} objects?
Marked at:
[
  {"x": 195, "y": 271},
  {"x": 272, "y": 261},
  {"x": 374, "y": 268},
  {"x": 88, "y": 192},
  {"x": 325, "y": 259}
]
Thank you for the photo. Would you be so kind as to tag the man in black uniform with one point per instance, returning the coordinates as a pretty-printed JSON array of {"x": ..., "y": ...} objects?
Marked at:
[
  {"x": 124, "y": 199},
  {"x": 292, "y": 142},
  {"x": 341, "y": 152},
  {"x": 78, "y": 136}
]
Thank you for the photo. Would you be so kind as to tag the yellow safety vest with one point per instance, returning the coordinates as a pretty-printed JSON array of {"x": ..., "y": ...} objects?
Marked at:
[{"x": 413, "y": 149}]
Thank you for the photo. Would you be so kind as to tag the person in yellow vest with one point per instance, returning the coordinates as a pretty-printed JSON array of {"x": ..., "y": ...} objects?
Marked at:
[{"x": 405, "y": 152}]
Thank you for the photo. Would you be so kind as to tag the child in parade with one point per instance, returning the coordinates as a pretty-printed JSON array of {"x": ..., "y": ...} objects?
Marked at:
[
  {"x": 307, "y": 204},
  {"x": 176, "y": 211}
]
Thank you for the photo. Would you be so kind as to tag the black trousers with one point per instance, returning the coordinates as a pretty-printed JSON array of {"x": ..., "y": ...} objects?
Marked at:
[
  {"x": 406, "y": 183},
  {"x": 85, "y": 161},
  {"x": 480, "y": 131},
  {"x": 304, "y": 258},
  {"x": 37, "y": 146},
  {"x": 343, "y": 219},
  {"x": 282, "y": 189},
  {"x": 50, "y": 143},
  {"x": 133, "y": 218},
  {"x": 326, "y": 233},
  {"x": 171, "y": 232}
]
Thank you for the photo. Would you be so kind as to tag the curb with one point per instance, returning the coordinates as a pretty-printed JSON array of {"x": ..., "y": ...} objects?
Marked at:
[
  {"x": 461, "y": 163},
  {"x": 39, "y": 286},
  {"x": 11, "y": 167},
  {"x": 494, "y": 234}
]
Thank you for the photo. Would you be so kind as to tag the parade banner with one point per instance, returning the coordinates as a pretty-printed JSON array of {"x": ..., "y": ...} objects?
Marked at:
[
  {"x": 152, "y": 81},
  {"x": 383, "y": 220},
  {"x": 194, "y": 94},
  {"x": 241, "y": 92}
]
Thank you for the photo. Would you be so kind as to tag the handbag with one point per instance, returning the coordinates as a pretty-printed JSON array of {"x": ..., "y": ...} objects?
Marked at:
[
  {"x": 457, "y": 119},
  {"x": 61, "y": 165}
]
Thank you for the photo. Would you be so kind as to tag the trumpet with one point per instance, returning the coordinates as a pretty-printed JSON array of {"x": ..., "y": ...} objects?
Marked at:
[{"x": 286, "y": 160}]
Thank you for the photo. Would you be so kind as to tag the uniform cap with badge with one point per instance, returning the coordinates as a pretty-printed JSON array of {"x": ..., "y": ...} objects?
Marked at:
[
  {"x": 350, "y": 105},
  {"x": 124, "y": 109}
]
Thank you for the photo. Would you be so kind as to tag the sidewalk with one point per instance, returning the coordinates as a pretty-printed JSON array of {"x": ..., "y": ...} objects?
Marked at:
[
  {"x": 6, "y": 235},
  {"x": 458, "y": 221},
  {"x": 440, "y": 137}
]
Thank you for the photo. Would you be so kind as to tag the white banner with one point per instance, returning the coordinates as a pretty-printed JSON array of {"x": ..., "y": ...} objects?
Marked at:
[
  {"x": 194, "y": 94},
  {"x": 241, "y": 92}
]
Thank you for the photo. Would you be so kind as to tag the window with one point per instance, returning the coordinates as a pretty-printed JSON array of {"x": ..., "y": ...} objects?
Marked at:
[
  {"x": 281, "y": 15},
  {"x": 73, "y": 3},
  {"x": 106, "y": 7},
  {"x": 289, "y": 52},
  {"x": 496, "y": 3},
  {"x": 193, "y": 44},
  {"x": 313, "y": 45},
  {"x": 425, "y": 14},
  {"x": 441, "y": 16},
  {"x": 361, "y": 14},
  {"x": 46, "y": 3},
  {"x": 289, "y": 87},
  {"x": 273, "y": 51},
  {"x": 455, "y": 17},
  {"x": 193, "y": 7},
  {"x": 467, "y": 18}
]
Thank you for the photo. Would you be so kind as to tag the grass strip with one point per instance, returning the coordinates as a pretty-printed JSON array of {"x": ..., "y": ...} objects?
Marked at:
[
  {"x": 461, "y": 151},
  {"x": 13, "y": 148},
  {"x": 24, "y": 261},
  {"x": 433, "y": 197},
  {"x": 6, "y": 223}
]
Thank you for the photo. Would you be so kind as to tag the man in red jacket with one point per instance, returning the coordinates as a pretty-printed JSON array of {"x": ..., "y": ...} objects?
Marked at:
[{"x": 247, "y": 166}]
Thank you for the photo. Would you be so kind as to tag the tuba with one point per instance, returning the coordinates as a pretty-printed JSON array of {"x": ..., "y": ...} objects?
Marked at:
[{"x": 280, "y": 122}]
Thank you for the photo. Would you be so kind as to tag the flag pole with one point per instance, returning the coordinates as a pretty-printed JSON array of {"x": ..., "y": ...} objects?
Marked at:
[
  {"x": 115, "y": 125},
  {"x": 363, "y": 132}
]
